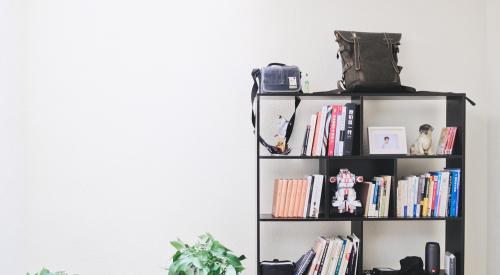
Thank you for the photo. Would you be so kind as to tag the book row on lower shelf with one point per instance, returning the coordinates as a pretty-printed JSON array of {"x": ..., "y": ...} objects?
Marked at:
[
  {"x": 338, "y": 255},
  {"x": 434, "y": 194},
  {"x": 297, "y": 198}
]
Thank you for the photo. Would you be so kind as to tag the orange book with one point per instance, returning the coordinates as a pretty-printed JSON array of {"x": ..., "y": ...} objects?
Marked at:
[
  {"x": 298, "y": 199},
  {"x": 275, "y": 196},
  {"x": 316, "y": 134},
  {"x": 291, "y": 209},
  {"x": 282, "y": 198},
  {"x": 300, "y": 209},
  {"x": 287, "y": 198}
]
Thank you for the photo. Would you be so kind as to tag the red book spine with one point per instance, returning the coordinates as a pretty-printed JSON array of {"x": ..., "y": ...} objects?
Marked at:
[
  {"x": 316, "y": 134},
  {"x": 452, "y": 140},
  {"x": 448, "y": 141},
  {"x": 336, "y": 110},
  {"x": 434, "y": 202}
]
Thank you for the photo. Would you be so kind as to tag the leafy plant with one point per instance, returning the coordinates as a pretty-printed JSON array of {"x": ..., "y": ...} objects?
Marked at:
[
  {"x": 45, "y": 271},
  {"x": 206, "y": 257}
]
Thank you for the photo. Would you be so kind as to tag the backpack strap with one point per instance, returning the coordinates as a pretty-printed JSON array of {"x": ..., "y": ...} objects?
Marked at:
[{"x": 256, "y": 74}]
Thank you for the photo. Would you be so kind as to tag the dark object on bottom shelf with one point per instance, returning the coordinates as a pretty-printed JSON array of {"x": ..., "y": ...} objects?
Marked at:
[
  {"x": 385, "y": 271},
  {"x": 277, "y": 267},
  {"x": 432, "y": 258},
  {"x": 412, "y": 266}
]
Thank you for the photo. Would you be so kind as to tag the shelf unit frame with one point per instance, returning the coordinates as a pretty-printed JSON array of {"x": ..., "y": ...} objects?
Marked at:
[{"x": 371, "y": 165}]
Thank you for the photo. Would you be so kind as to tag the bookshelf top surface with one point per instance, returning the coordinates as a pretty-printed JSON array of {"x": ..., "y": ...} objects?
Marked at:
[{"x": 423, "y": 95}]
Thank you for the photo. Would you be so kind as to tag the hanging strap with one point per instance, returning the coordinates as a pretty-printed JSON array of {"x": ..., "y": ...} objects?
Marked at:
[
  {"x": 256, "y": 74},
  {"x": 388, "y": 40}
]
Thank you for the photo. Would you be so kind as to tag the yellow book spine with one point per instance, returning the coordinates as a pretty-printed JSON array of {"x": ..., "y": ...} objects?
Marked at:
[{"x": 425, "y": 205}]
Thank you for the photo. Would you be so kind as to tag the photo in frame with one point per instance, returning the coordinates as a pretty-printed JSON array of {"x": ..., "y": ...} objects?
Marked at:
[{"x": 387, "y": 140}]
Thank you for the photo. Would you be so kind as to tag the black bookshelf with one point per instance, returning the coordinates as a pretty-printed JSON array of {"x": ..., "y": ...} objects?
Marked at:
[{"x": 361, "y": 163}]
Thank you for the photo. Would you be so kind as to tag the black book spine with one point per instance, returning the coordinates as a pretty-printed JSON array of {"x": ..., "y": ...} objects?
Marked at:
[
  {"x": 306, "y": 140},
  {"x": 351, "y": 110},
  {"x": 311, "y": 188},
  {"x": 325, "y": 251}
]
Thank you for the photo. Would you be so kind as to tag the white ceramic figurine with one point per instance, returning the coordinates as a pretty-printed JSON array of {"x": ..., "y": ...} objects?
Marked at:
[{"x": 423, "y": 144}]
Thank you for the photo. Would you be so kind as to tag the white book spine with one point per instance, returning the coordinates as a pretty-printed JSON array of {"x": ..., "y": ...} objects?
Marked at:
[
  {"x": 388, "y": 196},
  {"x": 398, "y": 199},
  {"x": 319, "y": 181},
  {"x": 444, "y": 202},
  {"x": 407, "y": 197}
]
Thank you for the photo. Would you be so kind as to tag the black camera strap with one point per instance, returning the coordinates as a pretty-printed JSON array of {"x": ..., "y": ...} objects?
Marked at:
[{"x": 256, "y": 75}]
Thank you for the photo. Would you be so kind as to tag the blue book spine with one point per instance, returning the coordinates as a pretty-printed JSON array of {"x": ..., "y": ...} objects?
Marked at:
[
  {"x": 375, "y": 193},
  {"x": 340, "y": 258},
  {"x": 405, "y": 211},
  {"x": 458, "y": 193},
  {"x": 453, "y": 193}
]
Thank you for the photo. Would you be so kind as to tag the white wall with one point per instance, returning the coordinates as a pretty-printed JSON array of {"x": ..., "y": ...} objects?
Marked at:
[
  {"x": 137, "y": 119},
  {"x": 12, "y": 189},
  {"x": 493, "y": 90}
]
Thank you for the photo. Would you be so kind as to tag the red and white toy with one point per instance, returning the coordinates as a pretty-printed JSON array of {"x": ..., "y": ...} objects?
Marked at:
[{"x": 345, "y": 197}]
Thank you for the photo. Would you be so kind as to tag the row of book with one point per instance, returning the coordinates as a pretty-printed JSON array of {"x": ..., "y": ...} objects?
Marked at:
[
  {"x": 446, "y": 141},
  {"x": 435, "y": 194},
  {"x": 297, "y": 198},
  {"x": 375, "y": 196},
  {"x": 335, "y": 256},
  {"x": 330, "y": 131}
]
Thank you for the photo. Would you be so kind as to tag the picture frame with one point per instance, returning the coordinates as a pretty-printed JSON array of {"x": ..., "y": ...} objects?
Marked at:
[{"x": 387, "y": 141}]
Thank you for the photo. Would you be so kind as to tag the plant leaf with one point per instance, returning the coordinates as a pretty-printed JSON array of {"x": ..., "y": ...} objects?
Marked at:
[
  {"x": 179, "y": 245},
  {"x": 230, "y": 270}
]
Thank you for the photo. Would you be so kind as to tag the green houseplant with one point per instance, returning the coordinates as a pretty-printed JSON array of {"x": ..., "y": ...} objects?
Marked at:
[
  {"x": 206, "y": 257},
  {"x": 45, "y": 271}
]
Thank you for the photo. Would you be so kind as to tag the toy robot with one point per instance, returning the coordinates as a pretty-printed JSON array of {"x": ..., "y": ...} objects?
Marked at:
[{"x": 345, "y": 196}]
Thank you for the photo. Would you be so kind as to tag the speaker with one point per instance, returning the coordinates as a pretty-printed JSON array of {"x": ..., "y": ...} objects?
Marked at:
[{"x": 432, "y": 258}]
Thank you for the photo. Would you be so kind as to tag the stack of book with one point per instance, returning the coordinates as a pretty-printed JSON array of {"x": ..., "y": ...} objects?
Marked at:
[
  {"x": 338, "y": 256},
  {"x": 297, "y": 198},
  {"x": 446, "y": 141},
  {"x": 375, "y": 196},
  {"x": 330, "y": 131},
  {"x": 450, "y": 264},
  {"x": 435, "y": 194}
]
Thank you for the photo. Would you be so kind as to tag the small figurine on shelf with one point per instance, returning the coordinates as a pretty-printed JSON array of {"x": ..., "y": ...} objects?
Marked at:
[
  {"x": 345, "y": 196},
  {"x": 423, "y": 144},
  {"x": 281, "y": 142}
]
